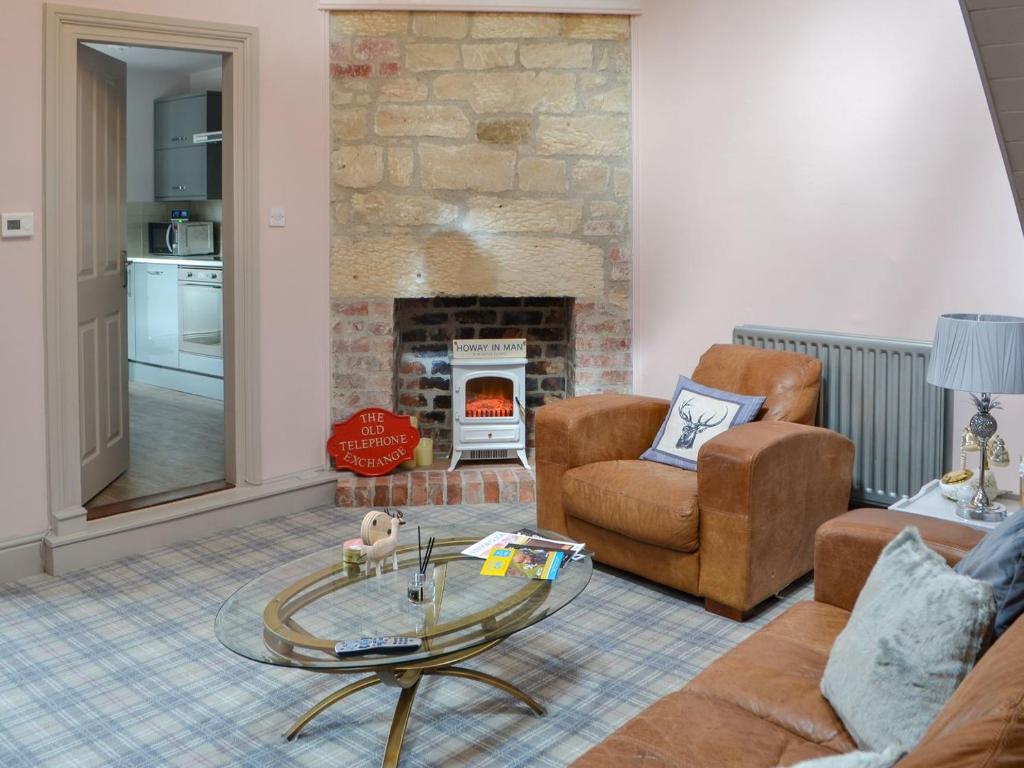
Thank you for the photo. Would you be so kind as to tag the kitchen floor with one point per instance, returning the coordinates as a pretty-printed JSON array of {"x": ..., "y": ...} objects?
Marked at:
[{"x": 176, "y": 441}]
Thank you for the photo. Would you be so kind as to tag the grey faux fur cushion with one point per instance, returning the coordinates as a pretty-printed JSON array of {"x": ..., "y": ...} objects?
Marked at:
[
  {"x": 885, "y": 759},
  {"x": 915, "y": 632}
]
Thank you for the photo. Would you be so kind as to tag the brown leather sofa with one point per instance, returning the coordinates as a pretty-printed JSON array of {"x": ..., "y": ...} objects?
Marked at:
[
  {"x": 737, "y": 530},
  {"x": 759, "y": 705}
]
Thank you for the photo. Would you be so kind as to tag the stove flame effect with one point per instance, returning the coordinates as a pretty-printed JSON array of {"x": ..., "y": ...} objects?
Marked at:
[{"x": 489, "y": 397}]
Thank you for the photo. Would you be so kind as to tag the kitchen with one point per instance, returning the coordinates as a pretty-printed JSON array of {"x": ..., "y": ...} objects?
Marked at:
[{"x": 175, "y": 279}]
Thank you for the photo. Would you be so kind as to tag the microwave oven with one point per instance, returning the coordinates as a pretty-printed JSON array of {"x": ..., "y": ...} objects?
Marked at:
[{"x": 181, "y": 238}]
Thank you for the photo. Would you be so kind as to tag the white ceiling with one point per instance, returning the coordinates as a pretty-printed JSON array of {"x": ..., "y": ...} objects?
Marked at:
[{"x": 161, "y": 59}]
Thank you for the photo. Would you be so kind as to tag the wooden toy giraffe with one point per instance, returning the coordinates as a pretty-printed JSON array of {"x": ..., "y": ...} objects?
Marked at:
[{"x": 380, "y": 537}]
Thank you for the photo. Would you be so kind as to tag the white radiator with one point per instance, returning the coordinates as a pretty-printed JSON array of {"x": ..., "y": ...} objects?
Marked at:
[{"x": 874, "y": 392}]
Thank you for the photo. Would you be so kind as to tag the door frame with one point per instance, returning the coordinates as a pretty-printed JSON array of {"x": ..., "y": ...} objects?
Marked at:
[{"x": 65, "y": 27}]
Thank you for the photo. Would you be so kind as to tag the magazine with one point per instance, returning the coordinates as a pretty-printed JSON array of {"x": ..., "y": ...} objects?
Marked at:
[
  {"x": 526, "y": 562},
  {"x": 483, "y": 547},
  {"x": 523, "y": 537}
]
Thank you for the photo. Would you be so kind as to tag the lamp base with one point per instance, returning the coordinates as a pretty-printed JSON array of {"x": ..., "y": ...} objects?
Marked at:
[{"x": 990, "y": 513}]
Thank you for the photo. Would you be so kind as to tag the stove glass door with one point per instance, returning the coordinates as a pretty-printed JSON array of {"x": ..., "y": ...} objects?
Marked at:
[{"x": 489, "y": 397}]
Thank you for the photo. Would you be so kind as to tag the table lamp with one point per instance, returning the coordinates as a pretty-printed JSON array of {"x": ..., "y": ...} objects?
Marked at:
[{"x": 983, "y": 354}]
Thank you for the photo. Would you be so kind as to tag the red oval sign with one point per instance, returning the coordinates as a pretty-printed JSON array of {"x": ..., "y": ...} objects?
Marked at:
[{"x": 372, "y": 442}]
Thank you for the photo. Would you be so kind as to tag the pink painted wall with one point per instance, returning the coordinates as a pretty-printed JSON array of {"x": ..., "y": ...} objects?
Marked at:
[
  {"x": 826, "y": 166},
  {"x": 294, "y": 153}
]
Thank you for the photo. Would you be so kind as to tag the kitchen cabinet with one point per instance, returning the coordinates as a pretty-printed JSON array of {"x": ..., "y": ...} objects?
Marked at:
[
  {"x": 183, "y": 170},
  {"x": 155, "y": 305},
  {"x": 183, "y": 174},
  {"x": 177, "y": 118}
]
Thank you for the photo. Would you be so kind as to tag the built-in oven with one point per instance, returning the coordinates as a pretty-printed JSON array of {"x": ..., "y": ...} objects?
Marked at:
[{"x": 200, "y": 311}]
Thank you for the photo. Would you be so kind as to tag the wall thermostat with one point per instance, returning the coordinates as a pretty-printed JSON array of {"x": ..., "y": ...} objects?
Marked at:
[{"x": 16, "y": 225}]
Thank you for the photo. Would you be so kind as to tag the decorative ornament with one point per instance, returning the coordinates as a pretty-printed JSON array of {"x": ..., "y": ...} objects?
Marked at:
[
  {"x": 373, "y": 442},
  {"x": 379, "y": 531},
  {"x": 998, "y": 456}
]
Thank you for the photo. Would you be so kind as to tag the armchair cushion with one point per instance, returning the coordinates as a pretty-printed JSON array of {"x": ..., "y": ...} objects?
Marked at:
[
  {"x": 641, "y": 500},
  {"x": 697, "y": 414}
]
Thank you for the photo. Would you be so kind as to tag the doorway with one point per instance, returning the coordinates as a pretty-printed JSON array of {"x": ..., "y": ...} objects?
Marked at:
[
  {"x": 89, "y": 396},
  {"x": 150, "y": 175}
]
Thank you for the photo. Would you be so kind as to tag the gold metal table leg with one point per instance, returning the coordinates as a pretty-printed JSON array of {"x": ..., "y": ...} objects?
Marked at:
[
  {"x": 334, "y": 698},
  {"x": 398, "y": 725},
  {"x": 497, "y": 682}
]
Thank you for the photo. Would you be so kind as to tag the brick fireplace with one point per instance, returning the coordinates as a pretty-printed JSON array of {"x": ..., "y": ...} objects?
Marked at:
[
  {"x": 425, "y": 329},
  {"x": 481, "y": 186}
]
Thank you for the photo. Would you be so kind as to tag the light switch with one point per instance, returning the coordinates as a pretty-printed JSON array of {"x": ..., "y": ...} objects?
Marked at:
[
  {"x": 16, "y": 225},
  {"x": 277, "y": 217}
]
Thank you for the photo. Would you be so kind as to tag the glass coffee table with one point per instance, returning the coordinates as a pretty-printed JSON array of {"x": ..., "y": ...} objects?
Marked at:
[{"x": 293, "y": 616}]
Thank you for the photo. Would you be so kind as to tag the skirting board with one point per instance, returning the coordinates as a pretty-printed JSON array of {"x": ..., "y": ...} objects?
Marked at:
[
  {"x": 145, "y": 529},
  {"x": 21, "y": 557}
]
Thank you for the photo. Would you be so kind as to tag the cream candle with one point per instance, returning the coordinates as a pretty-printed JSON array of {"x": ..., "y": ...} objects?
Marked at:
[{"x": 425, "y": 452}]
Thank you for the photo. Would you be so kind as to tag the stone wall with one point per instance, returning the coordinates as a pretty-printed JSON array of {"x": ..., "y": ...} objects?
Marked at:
[{"x": 479, "y": 155}]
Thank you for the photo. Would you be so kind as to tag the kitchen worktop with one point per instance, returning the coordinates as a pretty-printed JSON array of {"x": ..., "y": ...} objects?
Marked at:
[{"x": 185, "y": 261}]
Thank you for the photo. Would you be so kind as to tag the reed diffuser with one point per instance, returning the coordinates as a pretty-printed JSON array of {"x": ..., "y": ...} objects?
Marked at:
[{"x": 421, "y": 589}]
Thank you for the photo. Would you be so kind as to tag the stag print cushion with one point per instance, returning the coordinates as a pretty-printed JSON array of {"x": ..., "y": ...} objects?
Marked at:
[{"x": 696, "y": 414}]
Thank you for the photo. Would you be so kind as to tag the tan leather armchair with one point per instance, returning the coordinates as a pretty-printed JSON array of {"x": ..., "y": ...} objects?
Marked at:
[{"x": 738, "y": 529}]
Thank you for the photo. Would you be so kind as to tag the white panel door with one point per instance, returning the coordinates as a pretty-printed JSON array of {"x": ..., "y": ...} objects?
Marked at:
[{"x": 102, "y": 271}]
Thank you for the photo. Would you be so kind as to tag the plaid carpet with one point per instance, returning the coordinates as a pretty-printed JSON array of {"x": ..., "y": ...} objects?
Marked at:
[{"x": 117, "y": 665}]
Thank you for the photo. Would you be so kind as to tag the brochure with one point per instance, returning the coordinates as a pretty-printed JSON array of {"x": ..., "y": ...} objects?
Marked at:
[{"x": 523, "y": 561}]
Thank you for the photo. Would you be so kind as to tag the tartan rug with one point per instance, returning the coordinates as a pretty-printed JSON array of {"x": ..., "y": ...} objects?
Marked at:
[{"x": 118, "y": 665}]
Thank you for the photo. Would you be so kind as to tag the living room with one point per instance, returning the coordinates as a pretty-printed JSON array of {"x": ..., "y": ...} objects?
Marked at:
[{"x": 621, "y": 183}]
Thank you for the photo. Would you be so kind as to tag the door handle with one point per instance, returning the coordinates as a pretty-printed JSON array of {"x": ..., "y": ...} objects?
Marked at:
[
  {"x": 154, "y": 271},
  {"x": 124, "y": 269}
]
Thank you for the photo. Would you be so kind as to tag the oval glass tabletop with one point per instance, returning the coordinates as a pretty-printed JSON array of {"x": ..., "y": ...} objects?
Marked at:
[{"x": 293, "y": 615}]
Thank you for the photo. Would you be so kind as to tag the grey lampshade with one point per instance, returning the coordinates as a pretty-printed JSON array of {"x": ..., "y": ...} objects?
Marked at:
[{"x": 978, "y": 353}]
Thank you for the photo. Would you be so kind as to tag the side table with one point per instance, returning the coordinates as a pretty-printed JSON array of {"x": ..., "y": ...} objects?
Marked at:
[{"x": 929, "y": 501}]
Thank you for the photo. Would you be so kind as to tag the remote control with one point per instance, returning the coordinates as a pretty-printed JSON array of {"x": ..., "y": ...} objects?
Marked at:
[{"x": 375, "y": 645}]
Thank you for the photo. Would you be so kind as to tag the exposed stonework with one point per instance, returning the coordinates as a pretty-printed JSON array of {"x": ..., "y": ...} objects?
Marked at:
[
  {"x": 445, "y": 25},
  {"x": 402, "y": 210},
  {"x": 402, "y": 90},
  {"x": 421, "y": 120},
  {"x": 401, "y": 165},
  {"x": 498, "y": 214},
  {"x": 424, "y": 57},
  {"x": 590, "y": 177},
  {"x": 515, "y": 25},
  {"x": 357, "y": 166},
  {"x": 488, "y": 55},
  {"x": 452, "y": 263},
  {"x": 368, "y": 24},
  {"x": 556, "y": 55},
  {"x": 503, "y": 130},
  {"x": 589, "y": 135},
  {"x": 479, "y": 155},
  {"x": 510, "y": 91},
  {"x": 596, "y": 27},
  {"x": 471, "y": 166},
  {"x": 539, "y": 174}
]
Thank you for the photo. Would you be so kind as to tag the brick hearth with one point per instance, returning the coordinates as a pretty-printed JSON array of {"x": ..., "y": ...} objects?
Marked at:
[{"x": 469, "y": 484}]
